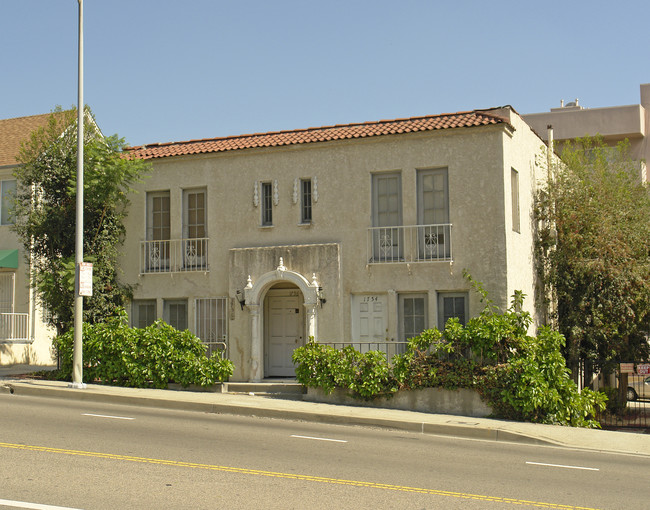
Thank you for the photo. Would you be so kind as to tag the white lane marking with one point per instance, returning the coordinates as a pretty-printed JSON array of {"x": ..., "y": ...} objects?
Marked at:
[
  {"x": 563, "y": 466},
  {"x": 34, "y": 506},
  {"x": 107, "y": 416},
  {"x": 320, "y": 439}
]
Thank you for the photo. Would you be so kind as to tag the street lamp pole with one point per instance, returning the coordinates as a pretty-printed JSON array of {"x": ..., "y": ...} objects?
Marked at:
[{"x": 77, "y": 353}]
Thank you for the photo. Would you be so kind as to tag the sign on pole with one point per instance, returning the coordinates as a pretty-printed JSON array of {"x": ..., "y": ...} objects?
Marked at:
[{"x": 85, "y": 278}]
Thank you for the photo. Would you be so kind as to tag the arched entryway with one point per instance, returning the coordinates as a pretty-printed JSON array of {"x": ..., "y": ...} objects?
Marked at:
[{"x": 272, "y": 301}]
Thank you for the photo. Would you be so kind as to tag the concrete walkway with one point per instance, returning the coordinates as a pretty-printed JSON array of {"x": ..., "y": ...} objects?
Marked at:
[{"x": 261, "y": 406}]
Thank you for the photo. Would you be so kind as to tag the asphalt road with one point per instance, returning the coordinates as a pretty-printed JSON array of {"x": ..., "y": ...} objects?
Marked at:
[{"x": 98, "y": 456}]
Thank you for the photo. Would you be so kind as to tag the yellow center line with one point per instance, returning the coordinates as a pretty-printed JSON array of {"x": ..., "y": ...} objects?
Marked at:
[{"x": 307, "y": 478}]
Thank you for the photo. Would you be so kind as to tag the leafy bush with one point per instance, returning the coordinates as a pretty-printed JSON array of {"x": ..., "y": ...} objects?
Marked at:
[
  {"x": 153, "y": 356},
  {"x": 366, "y": 375},
  {"x": 535, "y": 385},
  {"x": 520, "y": 377}
]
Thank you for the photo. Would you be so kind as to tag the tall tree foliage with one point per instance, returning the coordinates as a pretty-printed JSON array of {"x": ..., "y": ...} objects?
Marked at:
[
  {"x": 594, "y": 248},
  {"x": 46, "y": 214}
]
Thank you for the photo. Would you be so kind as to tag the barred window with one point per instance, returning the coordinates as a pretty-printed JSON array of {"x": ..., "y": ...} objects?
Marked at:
[{"x": 212, "y": 323}]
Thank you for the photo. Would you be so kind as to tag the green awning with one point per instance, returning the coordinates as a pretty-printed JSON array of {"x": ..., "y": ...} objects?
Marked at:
[{"x": 9, "y": 258}]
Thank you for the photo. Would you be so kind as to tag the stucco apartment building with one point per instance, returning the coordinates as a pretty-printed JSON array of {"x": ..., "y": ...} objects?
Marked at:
[
  {"x": 613, "y": 123},
  {"x": 348, "y": 233},
  {"x": 23, "y": 336}
]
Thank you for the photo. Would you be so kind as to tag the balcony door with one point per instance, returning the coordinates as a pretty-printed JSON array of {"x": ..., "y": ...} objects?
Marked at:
[
  {"x": 194, "y": 229},
  {"x": 158, "y": 231},
  {"x": 434, "y": 231},
  {"x": 387, "y": 217}
]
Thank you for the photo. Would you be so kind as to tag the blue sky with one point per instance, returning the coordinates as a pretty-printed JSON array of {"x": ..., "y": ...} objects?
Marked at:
[{"x": 163, "y": 70}]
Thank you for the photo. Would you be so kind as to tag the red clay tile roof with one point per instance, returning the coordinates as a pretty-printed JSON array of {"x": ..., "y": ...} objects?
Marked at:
[
  {"x": 15, "y": 131},
  {"x": 319, "y": 134}
]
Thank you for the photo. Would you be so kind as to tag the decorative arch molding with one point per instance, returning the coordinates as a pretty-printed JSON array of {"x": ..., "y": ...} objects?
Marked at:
[{"x": 254, "y": 294}]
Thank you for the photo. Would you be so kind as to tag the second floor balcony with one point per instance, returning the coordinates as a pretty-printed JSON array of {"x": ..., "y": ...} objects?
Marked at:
[
  {"x": 409, "y": 244},
  {"x": 174, "y": 256}
]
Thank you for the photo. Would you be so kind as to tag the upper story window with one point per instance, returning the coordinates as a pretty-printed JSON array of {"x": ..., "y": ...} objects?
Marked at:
[
  {"x": 158, "y": 216},
  {"x": 434, "y": 230},
  {"x": 194, "y": 214},
  {"x": 514, "y": 192},
  {"x": 387, "y": 235},
  {"x": 7, "y": 194},
  {"x": 157, "y": 250},
  {"x": 305, "y": 201},
  {"x": 267, "y": 204}
]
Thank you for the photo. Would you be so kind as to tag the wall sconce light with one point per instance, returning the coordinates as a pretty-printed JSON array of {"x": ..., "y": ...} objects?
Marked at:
[
  {"x": 241, "y": 298},
  {"x": 321, "y": 296}
]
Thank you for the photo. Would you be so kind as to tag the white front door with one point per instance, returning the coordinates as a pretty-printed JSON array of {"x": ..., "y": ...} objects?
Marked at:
[
  {"x": 369, "y": 320},
  {"x": 284, "y": 331}
]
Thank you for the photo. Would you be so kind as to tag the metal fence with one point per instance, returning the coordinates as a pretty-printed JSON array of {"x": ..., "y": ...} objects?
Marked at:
[
  {"x": 174, "y": 256},
  {"x": 387, "y": 347},
  {"x": 412, "y": 243},
  {"x": 14, "y": 327},
  {"x": 627, "y": 386}
]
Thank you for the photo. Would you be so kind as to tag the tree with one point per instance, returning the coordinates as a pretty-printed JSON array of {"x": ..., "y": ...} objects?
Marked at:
[
  {"x": 594, "y": 252},
  {"x": 45, "y": 212}
]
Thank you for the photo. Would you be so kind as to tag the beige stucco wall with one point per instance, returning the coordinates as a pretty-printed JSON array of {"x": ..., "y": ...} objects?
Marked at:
[{"x": 478, "y": 162}]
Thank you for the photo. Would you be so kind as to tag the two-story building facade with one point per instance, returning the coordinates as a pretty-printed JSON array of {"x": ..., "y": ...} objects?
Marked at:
[
  {"x": 24, "y": 338},
  {"x": 357, "y": 232}
]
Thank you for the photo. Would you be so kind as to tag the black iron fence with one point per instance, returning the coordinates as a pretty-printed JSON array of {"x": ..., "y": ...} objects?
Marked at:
[{"x": 627, "y": 385}]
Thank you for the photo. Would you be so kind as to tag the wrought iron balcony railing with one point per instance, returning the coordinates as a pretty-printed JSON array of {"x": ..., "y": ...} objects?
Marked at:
[
  {"x": 412, "y": 243},
  {"x": 174, "y": 256}
]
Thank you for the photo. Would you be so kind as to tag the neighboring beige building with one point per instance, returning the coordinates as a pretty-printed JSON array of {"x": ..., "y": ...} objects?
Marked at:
[
  {"x": 614, "y": 124},
  {"x": 23, "y": 336},
  {"x": 349, "y": 233}
]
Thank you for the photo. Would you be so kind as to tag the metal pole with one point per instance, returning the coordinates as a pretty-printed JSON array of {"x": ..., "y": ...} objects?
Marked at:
[{"x": 77, "y": 355}]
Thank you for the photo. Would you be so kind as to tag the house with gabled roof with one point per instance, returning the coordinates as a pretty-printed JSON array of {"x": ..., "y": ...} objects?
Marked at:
[
  {"x": 24, "y": 338},
  {"x": 348, "y": 234}
]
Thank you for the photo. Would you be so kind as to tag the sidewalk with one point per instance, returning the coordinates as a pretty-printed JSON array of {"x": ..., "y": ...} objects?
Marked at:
[{"x": 260, "y": 406}]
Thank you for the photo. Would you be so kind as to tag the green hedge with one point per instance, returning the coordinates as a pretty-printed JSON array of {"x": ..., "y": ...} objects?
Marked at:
[
  {"x": 155, "y": 356},
  {"x": 519, "y": 376}
]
